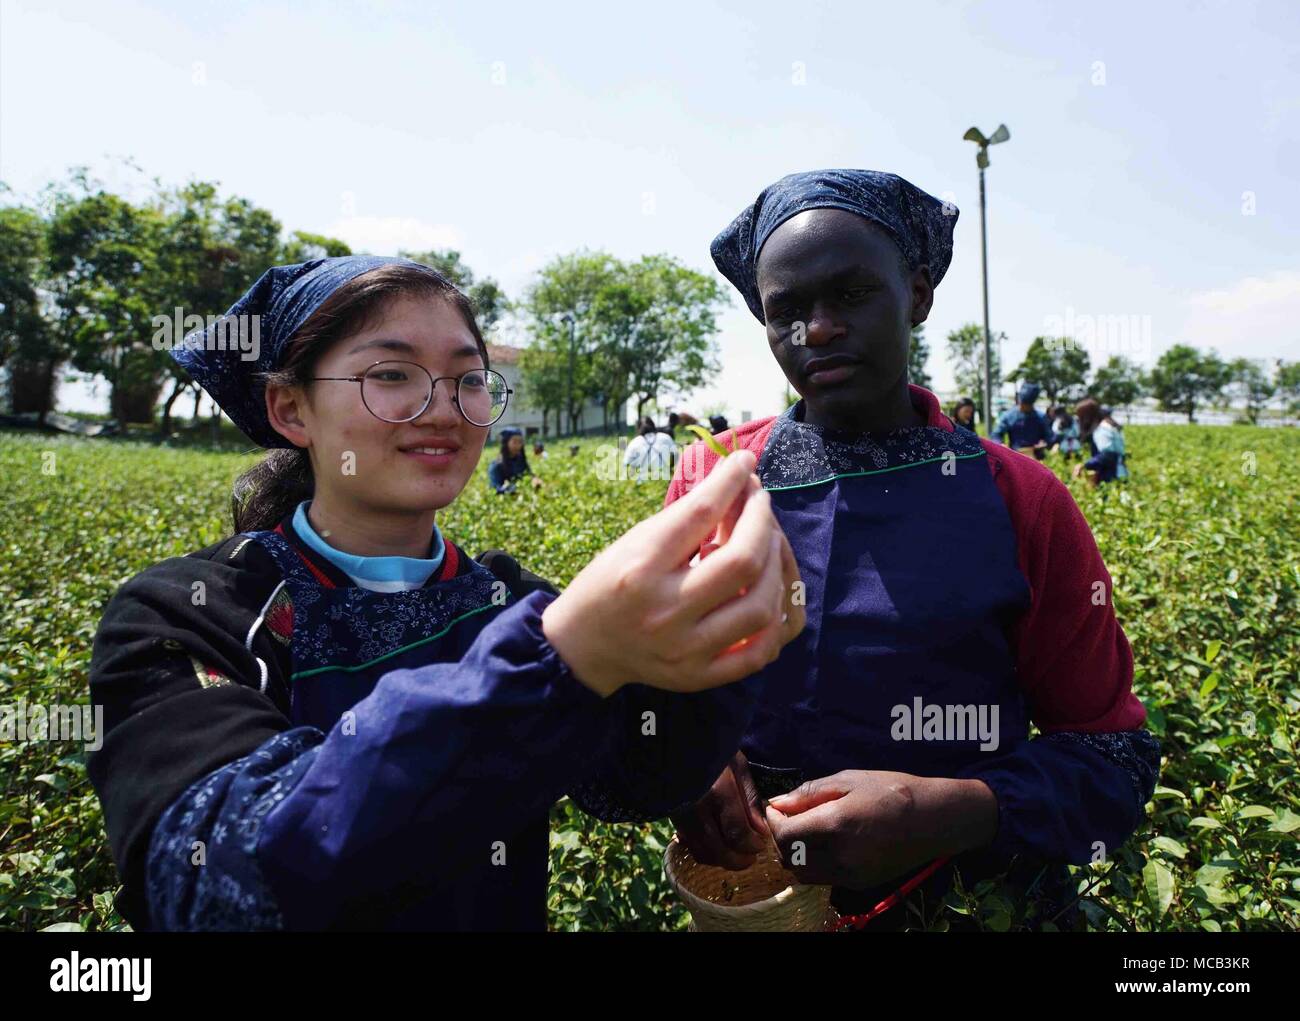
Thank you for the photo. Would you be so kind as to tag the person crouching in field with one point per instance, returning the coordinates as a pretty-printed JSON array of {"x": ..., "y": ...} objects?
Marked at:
[
  {"x": 335, "y": 718},
  {"x": 1105, "y": 439},
  {"x": 511, "y": 464},
  {"x": 955, "y": 594},
  {"x": 1065, "y": 434}
]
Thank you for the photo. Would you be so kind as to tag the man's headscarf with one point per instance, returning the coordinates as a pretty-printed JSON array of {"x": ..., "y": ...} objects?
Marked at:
[
  {"x": 919, "y": 223},
  {"x": 282, "y": 299},
  {"x": 1028, "y": 393}
]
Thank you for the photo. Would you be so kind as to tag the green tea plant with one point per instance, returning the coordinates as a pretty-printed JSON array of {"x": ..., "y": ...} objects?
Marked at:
[{"x": 1201, "y": 543}]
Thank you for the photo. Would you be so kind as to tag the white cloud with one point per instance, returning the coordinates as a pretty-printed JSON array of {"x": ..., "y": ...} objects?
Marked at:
[
  {"x": 385, "y": 235},
  {"x": 1256, "y": 317}
]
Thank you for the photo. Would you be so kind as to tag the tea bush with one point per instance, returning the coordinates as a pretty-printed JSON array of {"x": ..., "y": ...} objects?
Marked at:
[{"x": 1201, "y": 543}]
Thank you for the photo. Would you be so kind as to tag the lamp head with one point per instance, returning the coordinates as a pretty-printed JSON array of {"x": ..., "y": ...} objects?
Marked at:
[
  {"x": 976, "y": 136},
  {"x": 1001, "y": 135}
]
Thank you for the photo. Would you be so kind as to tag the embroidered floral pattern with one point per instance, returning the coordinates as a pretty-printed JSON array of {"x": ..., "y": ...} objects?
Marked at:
[
  {"x": 353, "y": 625},
  {"x": 1137, "y": 752},
  {"x": 201, "y": 871},
  {"x": 799, "y": 454},
  {"x": 279, "y": 617}
]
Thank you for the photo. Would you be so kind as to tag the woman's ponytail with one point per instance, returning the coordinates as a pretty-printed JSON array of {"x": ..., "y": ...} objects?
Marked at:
[{"x": 268, "y": 492}]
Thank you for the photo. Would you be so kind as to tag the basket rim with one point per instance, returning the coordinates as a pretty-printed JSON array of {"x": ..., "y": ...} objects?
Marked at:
[{"x": 695, "y": 903}]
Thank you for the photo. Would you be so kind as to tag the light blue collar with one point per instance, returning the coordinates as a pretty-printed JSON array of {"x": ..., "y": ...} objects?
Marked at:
[{"x": 379, "y": 574}]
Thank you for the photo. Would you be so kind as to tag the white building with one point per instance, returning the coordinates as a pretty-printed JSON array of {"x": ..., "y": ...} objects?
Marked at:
[{"x": 505, "y": 359}]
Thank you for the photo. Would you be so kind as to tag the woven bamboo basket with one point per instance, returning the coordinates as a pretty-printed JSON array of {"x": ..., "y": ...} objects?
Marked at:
[{"x": 762, "y": 898}]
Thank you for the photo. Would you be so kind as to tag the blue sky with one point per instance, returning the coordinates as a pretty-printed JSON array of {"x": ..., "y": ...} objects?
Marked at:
[{"x": 1146, "y": 176}]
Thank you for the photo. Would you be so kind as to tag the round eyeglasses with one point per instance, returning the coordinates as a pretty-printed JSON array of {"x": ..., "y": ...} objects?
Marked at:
[{"x": 403, "y": 391}]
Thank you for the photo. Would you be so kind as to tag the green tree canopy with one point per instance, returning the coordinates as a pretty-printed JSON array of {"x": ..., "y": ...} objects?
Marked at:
[
  {"x": 1058, "y": 365},
  {"x": 1250, "y": 381},
  {"x": 26, "y": 348},
  {"x": 1184, "y": 377},
  {"x": 965, "y": 351},
  {"x": 639, "y": 330},
  {"x": 1288, "y": 384},
  {"x": 104, "y": 261},
  {"x": 1118, "y": 383},
  {"x": 490, "y": 302},
  {"x": 211, "y": 250}
]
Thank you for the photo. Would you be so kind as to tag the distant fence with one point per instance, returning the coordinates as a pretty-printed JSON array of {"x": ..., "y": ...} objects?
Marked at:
[
  {"x": 1146, "y": 415},
  {"x": 1150, "y": 416}
]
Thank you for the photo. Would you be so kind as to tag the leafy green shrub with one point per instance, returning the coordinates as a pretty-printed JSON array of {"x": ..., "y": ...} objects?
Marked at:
[{"x": 1201, "y": 544}]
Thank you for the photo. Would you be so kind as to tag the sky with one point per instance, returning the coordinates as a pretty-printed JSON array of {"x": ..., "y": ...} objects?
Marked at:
[{"x": 1144, "y": 190}]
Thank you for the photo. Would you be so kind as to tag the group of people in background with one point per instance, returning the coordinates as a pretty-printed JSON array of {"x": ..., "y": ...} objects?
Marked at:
[
  {"x": 651, "y": 454},
  {"x": 1033, "y": 432}
]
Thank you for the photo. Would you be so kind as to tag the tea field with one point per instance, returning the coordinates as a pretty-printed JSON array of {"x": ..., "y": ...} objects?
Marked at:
[{"x": 1203, "y": 544}]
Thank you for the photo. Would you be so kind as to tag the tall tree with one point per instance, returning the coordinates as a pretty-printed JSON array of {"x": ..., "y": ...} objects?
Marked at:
[
  {"x": 1250, "y": 381},
  {"x": 303, "y": 247},
  {"x": 1058, "y": 365},
  {"x": 673, "y": 347},
  {"x": 26, "y": 348},
  {"x": 567, "y": 333},
  {"x": 210, "y": 250},
  {"x": 1118, "y": 383},
  {"x": 965, "y": 351},
  {"x": 918, "y": 355},
  {"x": 1183, "y": 378},
  {"x": 103, "y": 256},
  {"x": 1288, "y": 385},
  {"x": 490, "y": 302},
  {"x": 641, "y": 330}
]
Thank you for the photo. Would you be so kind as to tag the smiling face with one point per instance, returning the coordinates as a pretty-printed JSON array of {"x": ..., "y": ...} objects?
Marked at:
[
  {"x": 367, "y": 466},
  {"x": 840, "y": 305}
]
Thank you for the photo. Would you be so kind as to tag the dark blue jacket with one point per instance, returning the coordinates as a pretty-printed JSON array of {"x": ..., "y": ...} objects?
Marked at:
[{"x": 353, "y": 759}]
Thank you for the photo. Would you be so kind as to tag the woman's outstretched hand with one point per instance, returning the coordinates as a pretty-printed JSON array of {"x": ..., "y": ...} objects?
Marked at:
[{"x": 639, "y": 613}]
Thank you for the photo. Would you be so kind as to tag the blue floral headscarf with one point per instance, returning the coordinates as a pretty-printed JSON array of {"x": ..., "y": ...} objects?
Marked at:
[
  {"x": 919, "y": 223},
  {"x": 283, "y": 298}
]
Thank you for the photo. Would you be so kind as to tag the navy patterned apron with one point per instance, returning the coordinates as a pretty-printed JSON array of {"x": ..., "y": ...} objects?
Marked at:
[
  {"x": 344, "y": 639},
  {"x": 908, "y": 555}
]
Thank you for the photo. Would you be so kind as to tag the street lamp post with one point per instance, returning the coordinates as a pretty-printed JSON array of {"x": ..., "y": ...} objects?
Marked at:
[
  {"x": 982, "y": 161},
  {"x": 568, "y": 393}
]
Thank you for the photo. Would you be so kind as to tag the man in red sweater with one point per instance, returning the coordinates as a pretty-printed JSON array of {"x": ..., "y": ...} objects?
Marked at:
[{"x": 954, "y": 592}]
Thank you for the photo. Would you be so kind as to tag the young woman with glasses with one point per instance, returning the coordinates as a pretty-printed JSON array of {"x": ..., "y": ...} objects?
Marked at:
[{"x": 335, "y": 718}]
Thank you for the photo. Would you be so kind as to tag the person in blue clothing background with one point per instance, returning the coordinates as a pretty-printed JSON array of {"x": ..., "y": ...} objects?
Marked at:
[
  {"x": 1105, "y": 439},
  {"x": 511, "y": 464},
  {"x": 1065, "y": 434},
  {"x": 1023, "y": 427},
  {"x": 335, "y": 718}
]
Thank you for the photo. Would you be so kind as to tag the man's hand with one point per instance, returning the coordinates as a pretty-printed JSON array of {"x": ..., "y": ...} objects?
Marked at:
[
  {"x": 861, "y": 828},
  {"x": 725, "y": 827}
]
